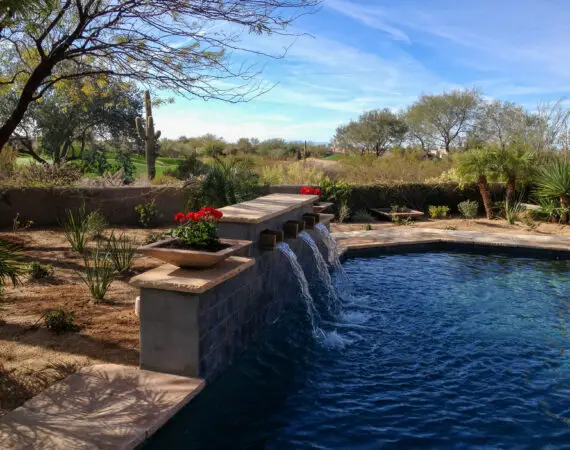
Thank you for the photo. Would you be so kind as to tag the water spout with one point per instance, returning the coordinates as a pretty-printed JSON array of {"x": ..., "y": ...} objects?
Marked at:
[
  {"x": 334, "y": 257},
  {"x": 312, "y": 312},
  {"x": 334, "y": 303}
]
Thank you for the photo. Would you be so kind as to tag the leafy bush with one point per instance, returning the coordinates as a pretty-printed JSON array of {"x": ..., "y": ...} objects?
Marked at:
[
  {"x": 436, "y": 212},
  {"x": 148, "y": 214},
  {"x": 47, "y": 175},
  {"x": 549, "y": 210},
  {"x": 124, "y": 161},
  {"x": 75, "y": 228},
  {"x": 10, "y": 266},
  {"x": 99, "y": 272},
  {"x": 554, "y": 182},
  {"x": 367, "y": 227},
  {"x": 38, "y": 271},
  {"x": 121, "y": 251},
  {"x": 8, "y": 161},
  {"x": 198, "y": 230},
  {"x": 164, "y": 179},
  {"x": 96, "y": 224},
  {"x": 468, "y": 209},
  {"x": 189, "y": 166},
  {"x": 60, "y": 321},
  {"x": 95, "y": 162},
  {"x": 362, "y": 216}
]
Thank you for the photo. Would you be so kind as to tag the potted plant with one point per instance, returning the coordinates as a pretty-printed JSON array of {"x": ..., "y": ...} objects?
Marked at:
[
  {"x": 194, "y": 242},
  {"x": 318, "y": 207}
]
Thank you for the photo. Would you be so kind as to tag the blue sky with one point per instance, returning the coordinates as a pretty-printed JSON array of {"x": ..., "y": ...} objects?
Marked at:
[{"x": 357, "y": 55}]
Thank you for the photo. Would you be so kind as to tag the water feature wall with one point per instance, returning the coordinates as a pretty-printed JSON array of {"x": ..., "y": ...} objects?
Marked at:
[{"x": 195, "y": 323}]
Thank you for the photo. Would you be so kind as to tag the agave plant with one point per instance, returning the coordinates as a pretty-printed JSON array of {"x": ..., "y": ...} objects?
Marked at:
[
  {"x": 10, "y": 267},
  {"x": 553, "y": 181}
]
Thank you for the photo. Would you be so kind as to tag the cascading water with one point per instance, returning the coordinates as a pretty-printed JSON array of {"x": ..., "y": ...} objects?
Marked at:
[
  {"x": 304, "y": 285},
  {"x": 334, "y": 257},
  {"x": 333, "y": 302}
]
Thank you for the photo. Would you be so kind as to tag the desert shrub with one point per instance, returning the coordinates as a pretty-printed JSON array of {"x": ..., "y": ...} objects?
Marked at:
[
  {"x": 19, "y": 224},
  {"x": 124, "y": 161},
  {"x": 148, "y": 214},
  {"x": 338, "y": 193},
  {"x": 468, "y": 209},
  {"x": 436, "y": 212},
  {"x": 367, "y": 227},
  {"x": 95, "y": 162},
  {"x": 75, "y": 228},
  {"x": 60, "y": 321},
  {"x": 99, "y": 272},
  {"x": 294, "y": 173},
  {"x": 513, "y": 211},
  {"x": 549, "y": 210},
  {"x": 343, "y": 212},
  {"x": 164, "y": 179},
  {"x": 38, "y": 271},
  {"x": 362, "y": 216},
  {"x": 121, "y": 251},
  {"x": 11, "y": 269},
  {"x": 230, "y": 181},
  {"x": 189, "y": 166},
  {"x": 96, "y": 224},
  {"x": 47, "y": 175},
  {"x": 8, "y": 158},
  {"x": 153, "y": 237}
]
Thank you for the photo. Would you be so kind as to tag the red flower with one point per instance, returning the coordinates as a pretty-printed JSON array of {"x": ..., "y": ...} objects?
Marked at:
[
  {"x": 190, "y": 216},
  {"x": 179, "y": 217},
  {"x": 317, "y": 191},
  {"x": 305, "y": 190}
]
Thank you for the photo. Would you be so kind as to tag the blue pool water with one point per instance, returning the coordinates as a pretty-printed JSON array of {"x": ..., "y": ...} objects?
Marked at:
[{"x": 432, "y": 350}]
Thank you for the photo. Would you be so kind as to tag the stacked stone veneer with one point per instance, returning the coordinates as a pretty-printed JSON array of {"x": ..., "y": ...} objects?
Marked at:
[{"x": 199, "y": 335}]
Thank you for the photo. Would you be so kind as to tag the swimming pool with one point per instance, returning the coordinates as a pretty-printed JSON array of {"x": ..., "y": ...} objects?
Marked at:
[{"x": 432, "y": 350}]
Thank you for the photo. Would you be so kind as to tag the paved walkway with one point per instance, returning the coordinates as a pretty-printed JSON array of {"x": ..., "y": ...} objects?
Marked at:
[
  {"x": 106, "y": 406},
  {"x": 393, "y": 237}
]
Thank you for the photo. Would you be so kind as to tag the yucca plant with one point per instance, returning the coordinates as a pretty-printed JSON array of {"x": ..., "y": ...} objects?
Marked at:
[
  {"x": 121, "y": 251},
  {"x": 229, "y": 181},
  {"x": 553, "y": 181},
  {"x": 99, "y": 272},
  {"x": 75, "y": 227},
  {"x": 11, "y": 269},
  {"x": 513, "y": 210}
]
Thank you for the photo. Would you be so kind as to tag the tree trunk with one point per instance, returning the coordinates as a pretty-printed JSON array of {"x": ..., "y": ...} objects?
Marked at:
[
  {"x": 38, "y": 76},
  {"x": 485, "y": 195},
  {"x": 511, "y": 186},
  {"x": 565, "y": 203}
]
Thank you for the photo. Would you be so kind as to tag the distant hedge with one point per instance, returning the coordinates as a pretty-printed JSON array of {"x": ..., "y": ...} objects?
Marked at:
[{"x": 414, "y": 195}]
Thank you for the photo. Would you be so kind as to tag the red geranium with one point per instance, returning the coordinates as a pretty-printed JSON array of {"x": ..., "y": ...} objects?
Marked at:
[
  {"x": 307, "y": 190},
  {"x": 205, "y": 213},
  {"x": 179, "y": 217}
]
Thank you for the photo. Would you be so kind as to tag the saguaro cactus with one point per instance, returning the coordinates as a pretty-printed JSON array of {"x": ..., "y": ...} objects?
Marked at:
[{"x": 149, "y": 136}]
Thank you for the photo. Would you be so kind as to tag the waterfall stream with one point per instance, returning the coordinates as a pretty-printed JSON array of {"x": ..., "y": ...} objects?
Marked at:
[
  {"x": 334, "y": 257},
  {"x": 304, "y": 285}
]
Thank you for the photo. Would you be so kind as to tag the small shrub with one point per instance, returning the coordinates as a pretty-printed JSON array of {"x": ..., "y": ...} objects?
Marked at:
[
  {"x": 121, "y": 251},
  {"x": 47, "y": 175},
  {"x": 528, "y": 221},
  {"x": 362, "y": 216},
  {"x": 99, "y": 272},
  {"x": 38, "y": 271},
  {"x": 21, "y": 224},
  {"x": 164, "y": 179},
  {"x": 153, "y": 237},
  {"x": 398, "y": 209},
  {"x": 8, "y": 161},
  {"x": 60, "y": 321},
  {"x": 399, "y": 221},
  {"x": 96, "y": 224},
  {"x": 450, "y": 228},
  {"x": 513, "y": 211},
  {"x": 187, "y": 167},
  {"x": 75, "y": 228},
  {"x": 367, "y": 227},
  {"x": 124, "y": 162},
  {"x": 343, "y": 212},
  {"x": 148, "y": 214},
  {"x": 468, "y": 209},
  {"x": 549, "y": 210},
  {"x": 436, "y": 212}
]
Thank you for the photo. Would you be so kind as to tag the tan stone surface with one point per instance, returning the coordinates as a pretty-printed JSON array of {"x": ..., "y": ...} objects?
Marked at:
[
  {"x": 404, "y": 236},
  {"x": 105, "y": 406},
  {"x": 173, "y": 278},
  {"x": 265, "y": 208}
]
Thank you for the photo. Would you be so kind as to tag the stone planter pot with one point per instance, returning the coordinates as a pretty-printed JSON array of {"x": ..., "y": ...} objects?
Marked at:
[
  {"x": 192, "y": 259},
  {"x": 321, "y": 207},
  {"x": 386, "y": 213}
]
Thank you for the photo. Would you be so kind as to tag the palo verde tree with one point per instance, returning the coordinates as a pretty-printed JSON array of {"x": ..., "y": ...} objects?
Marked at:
[
  {"x": 375, "y": 130},
  {"x": 444, "y": 118},
  {"x": 176, "y": 45}
]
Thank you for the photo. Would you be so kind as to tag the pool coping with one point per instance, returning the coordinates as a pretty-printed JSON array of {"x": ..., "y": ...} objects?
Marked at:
[{"x": 354, "y": 243}]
